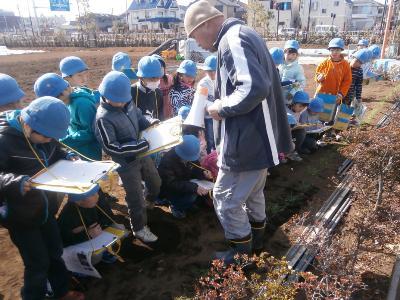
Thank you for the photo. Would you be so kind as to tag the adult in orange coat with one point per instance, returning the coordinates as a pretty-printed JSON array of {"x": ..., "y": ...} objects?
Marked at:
[{"x": 334, "y": 73}]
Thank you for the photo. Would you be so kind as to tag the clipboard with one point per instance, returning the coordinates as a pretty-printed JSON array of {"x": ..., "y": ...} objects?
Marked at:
[
  {"x": 162, "y": 136},
  {"x": 72, "y": 177}
]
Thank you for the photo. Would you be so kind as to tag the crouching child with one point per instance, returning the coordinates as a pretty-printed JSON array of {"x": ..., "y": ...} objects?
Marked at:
[{"x": 177, "y": 168}]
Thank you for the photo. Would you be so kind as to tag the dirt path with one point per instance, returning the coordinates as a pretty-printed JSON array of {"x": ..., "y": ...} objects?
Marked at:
[{"x": 185, "y": 247}]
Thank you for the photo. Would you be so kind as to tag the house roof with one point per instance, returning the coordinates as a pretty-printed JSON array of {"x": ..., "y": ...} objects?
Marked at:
[
  {"x": 151, "y": 4},
  {"x": 228, "y": 3},
  {"x": 161, "y": 20}
]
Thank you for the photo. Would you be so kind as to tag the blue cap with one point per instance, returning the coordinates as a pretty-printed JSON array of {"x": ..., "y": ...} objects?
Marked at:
[
  {"x": 160, "y": 59},
  {"x": 210, "y": 63},
  {"x": 376, "y": 51},
  {"x": 50, "y": 84},
  {"x": 188, "y": 67},
  {"x": 130, "y": 73},
  {"x": 48, "y": 116},
  {"x": 301, "y": 97},
  {"x": 363, "y": 42},
  {"x": 10, "y": 91},
  {"x": 71, "y": 65},
  {"x": 336, "y": 43},
  {"x": 277, "y": 55},
  {"x": 84, "y": 196},
  {"x": 183, "y": 112},
  {"x": 149, "y": 67},
  {"x": 316, "y": 105},
  {"x": 291, "y": 119},
  {"x": 189, "y": 150},
  {"x": 363, "y": 55},
  {"x": 116, "y": 87},
  {"x": 121, "y": 61},
  {"x": 292, "y": 44}
]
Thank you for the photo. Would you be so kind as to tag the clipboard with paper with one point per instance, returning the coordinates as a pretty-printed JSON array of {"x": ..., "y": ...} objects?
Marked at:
[
  {"x": 72, "y": 177},
  {"x": 163, "y": 136}
]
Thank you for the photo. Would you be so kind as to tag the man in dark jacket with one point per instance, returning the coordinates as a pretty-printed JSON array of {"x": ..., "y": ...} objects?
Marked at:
[
  {"x": 254, "y": 126},
  {"x": 177, "y": 168},
  {"x": 26, "y": 144}
]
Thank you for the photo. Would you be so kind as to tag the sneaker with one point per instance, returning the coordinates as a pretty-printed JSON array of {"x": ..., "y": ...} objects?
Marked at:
[
  {"x": 179, "y": 214},
  {"x": 146, "y": 235},
  {"x": 294, "y": 156}
]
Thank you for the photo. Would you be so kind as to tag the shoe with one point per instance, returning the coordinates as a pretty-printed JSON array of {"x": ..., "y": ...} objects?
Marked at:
[
  {"x": 146, "y": 235},
  {"x": 321, "y": 143},
  {"x": 294, "y": 156},
  {"x": 161, "y": 202},
  {"x": 354, "y": 122},
  {"x": 242, "y": 246},
  {"x": 304, "y": 151},
  {"x": 179, "y": 214},
  {"x": 257, "y": 231},
  {"x": 73, "y": 295}
]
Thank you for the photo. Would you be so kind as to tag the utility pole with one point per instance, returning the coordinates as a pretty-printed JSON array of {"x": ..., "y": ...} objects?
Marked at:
[
  {"x": 308, "y": 20},
  {"x": 387, "y": 28},
  {"x": 383, "y": 17}
]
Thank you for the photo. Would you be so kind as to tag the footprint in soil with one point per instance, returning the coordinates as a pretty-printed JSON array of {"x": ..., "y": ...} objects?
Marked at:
[{"x": 169, "y": 238}]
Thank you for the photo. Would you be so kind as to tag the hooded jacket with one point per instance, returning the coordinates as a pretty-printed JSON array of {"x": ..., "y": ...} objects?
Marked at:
[
  {"x": 337, "y": 77},
  {"x": 81, "y": 135},
  {"x": 17, "y": 164},
  {"x": 294, "y": 72},
  {"x": 148, "y": 101},
  {"x": 254, "y": 128}
]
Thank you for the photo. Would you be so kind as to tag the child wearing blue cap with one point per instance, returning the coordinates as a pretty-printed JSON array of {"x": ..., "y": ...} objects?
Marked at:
[
  {"x": 11, "y": 94},
  {"x": 84, "y": 217},
  {"x": 301, "y": 100},
  {"x": 307, "y": 142},
  {"x": 208, "y": 81},
  {"x": 146, "y": 93},
  {"x": 182, "y": 92},
  {"x": 177, "y": 167},
  {"x": 291, "y": 70},
  {"x": 117, "y": 128},
  {"x": 122, "y": 62},
  {"x": 353, "y": 96},
  {"x": 28, "y": 143}
]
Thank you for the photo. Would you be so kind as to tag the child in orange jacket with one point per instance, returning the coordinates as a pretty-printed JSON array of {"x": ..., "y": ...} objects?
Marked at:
[{"x": 334, "y": 73}]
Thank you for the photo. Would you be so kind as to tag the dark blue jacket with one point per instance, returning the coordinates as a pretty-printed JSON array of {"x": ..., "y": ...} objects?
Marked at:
[{"x": 254, "y": 128}]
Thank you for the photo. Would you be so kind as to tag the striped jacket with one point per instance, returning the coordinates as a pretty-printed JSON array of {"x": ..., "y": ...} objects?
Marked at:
[
  {"x": 117, "y": 130},
  {"x": 254, "y": 128},
  {"x": 355, "y": 90}
]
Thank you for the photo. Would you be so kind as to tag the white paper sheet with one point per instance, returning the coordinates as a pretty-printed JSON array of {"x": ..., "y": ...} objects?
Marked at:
[
  {"x": 78, "y": 258},
  {"x": 198, "y": 109},
  {"x": 67, "y": 176},
  {"x": 163, "y": 136}
]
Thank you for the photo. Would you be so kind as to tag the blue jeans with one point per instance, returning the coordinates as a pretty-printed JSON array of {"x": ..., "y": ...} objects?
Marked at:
[
  {"x": 41, "y": 249},
  {"x": 208, "y": 123},
  {"x": 183, "y": 202}
]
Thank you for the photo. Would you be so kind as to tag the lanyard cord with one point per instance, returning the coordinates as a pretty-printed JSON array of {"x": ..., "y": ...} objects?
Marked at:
[
  {"x": 109, "y": 248},
  {"x": 155, "y": 98},
  {"x": 40, "y": 161}
]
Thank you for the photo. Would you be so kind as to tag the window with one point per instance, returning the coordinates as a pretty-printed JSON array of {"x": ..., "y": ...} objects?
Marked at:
[
  {"x": 324, "y": 10},
  {"x": 336, "y": 3}
]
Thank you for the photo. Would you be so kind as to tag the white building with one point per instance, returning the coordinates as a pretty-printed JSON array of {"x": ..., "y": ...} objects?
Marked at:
[
  {"x": 281, "y": 14},
  {"x": 366, "y": 14},
  {"x": 326, "y": 12},
  {"x": 155, "y": 15}
]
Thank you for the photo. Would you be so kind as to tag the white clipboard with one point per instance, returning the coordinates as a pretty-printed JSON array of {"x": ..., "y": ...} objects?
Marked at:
[
  {"x": 163, "y": 136},
  {"x": 72, "y": 177}
]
